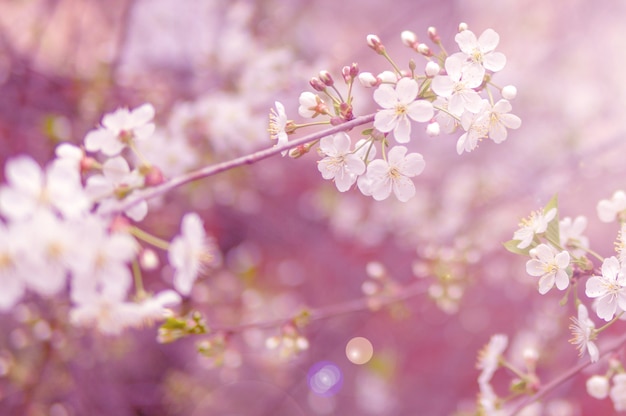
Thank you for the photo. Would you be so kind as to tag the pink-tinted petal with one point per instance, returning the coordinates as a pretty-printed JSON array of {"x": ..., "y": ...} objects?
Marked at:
[
  {"x": 420, "y": 110},
  {"x": 385, "y": 120},
  {"x": 413, "y": 164},
  {"x": 145, "y": 113},
  {"x": 404, "y": 188},
  {"x": 546, "y": 283},
  {"x": 488, "y": 40},
  {"x": 466, "y": 41},
  {"x": 386, "y": 96},
  {"x": 402, "y": 131},
  {"x": 407, "y": 90}
]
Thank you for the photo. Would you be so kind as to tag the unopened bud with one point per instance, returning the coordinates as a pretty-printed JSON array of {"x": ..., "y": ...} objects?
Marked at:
[
  {"x": 509, "y": 92},
  {"x": 326, "y": 78},
  {"x": 367, "y": 79},
  {"x": 423, "y": 49},
  {"x": 354, "y": 70},
  {"x": 148, "y": 260},
  {"x": 433, "y": 35},
  {"x": 463, "y": 26},
  {"x": 345, "y": 73},
  {"x": 374, "y": 42},
  {"x": 299, "y": 151},
  {"x": 87, "y": 164},
  {"x": 153, "y": 176},
  {"x": 432, "y": 69},
  {"x": 409, "y": 38},
  {"x": 317, "y": 84},
  {"x": 388, "y": 76},
  {"x": 433, "y": 129},
  {"x": 598, "y": 387}
]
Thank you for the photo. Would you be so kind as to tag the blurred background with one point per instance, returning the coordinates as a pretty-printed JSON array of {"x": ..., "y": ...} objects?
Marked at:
[{"x": 213, "y": 69}]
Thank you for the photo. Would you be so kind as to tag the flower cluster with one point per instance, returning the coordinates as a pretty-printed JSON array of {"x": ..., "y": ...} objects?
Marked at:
[
  {"x": 452, "y": 92},
  {"x": 560, "y": 255},
  {"x": 61, "y": 226}
]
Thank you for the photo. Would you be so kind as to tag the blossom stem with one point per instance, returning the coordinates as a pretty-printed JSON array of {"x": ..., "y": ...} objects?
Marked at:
[
  {"x": 139, "y": 289},
  {"x": 547, "y": 388},
  {"x": 590, "y": 251},
  {"x": 211, "y": 170},
  {"x": 149, "y": 238},
  {"x": 608, "y": 324}
]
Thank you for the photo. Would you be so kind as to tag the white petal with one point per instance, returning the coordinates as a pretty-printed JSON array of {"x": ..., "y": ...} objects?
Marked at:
[
  {"x": 386, "y": 96},
  {"x": 404, "y": 188}
]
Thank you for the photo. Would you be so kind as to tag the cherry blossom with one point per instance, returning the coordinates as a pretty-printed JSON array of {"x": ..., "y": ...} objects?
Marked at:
[
  {"x": 609, "y": 209},
  {"x": 583, "y": 331},
  {"x": 190, "y": 253},
  {"x": 340, "y": 164},
  {"x": 117, "y": 180},
  {"x": 480, "y": 52},
  {"x": 536, "y": 224},
  {"x": 384, "y": 176},
  {"x": 500, "y": 120},
  {"x": 30, "y": 188},
  {"x": 278, "y": 125},
  {"x": 311, "y": 105},
  {"x": 598, "y": 387},
  {"x": 550, "y": 265},
  {"x": 609, "y": 289},
  {"x": 489, "y": 357},
  {"x": 399, "y": 105},
  {"x": 120, "y": 128},
  {"x": 476, "y": 128},
  {"x": 458, "y": 86},
  {"x": 618, "y": 392},
  {"x": 570, "y": 234}
]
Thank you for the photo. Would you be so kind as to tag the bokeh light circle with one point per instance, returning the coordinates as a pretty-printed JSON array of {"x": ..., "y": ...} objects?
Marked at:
[
  {"x": 359, "y": 350},
  {"x": 325, "y": 378}
]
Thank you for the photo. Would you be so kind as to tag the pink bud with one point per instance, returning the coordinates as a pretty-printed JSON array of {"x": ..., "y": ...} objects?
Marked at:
[
  {"x": 326, "y": 78},
  {"x": 409, "y": 38},
  {"x": 433, "y": 35},
  {"x": 374, "y": 42}
]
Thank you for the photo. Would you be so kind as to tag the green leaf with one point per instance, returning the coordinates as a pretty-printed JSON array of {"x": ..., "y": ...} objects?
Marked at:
[{"x": 511, "y": 245}]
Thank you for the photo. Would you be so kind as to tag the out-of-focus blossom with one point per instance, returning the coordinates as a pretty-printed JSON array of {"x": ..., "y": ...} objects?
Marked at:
[
  {"x": 609, "y": 289},
  {"x": 609, "y": 209},
  {"x": 618, "y": 392},
  {"x": 340, "y": 163},
  {"x": 311, "y": 105},
  {"x": 399, "y": 105},
  {"x": 120, "y": 128},
  {"x": 598, "y": 386},
  {"x": 536, "y": 224},
  {"x": 11, "y": 280},
  {"x": 190, "y": 253},
  {"x": 384, "y": 176},
  {"x": 476, "y": 126},
  {"x": 550, "y": 265},
  {"x": 583, "y": 331},
  {"x": 571, "y": 235},
  {"x": 489, "y": 357},
  {"x": 278, "y": 125},
  {"x": 29, "y": 189}
]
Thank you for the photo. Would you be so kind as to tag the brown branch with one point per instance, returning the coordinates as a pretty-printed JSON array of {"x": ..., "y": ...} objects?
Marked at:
[{"x": 211, "y": 170}]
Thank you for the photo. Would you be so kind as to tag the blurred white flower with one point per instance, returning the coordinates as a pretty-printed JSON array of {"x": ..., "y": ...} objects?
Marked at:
[
  {"x": 190, "y": 253},
  {"x": 500, "y": 120},
  {"x": 489, "y": 357},
  {"x": 458, "y": 86},
  {"x": 598, "y": 386},
  {"x": 618, "y": 392},
  {"x": 570, "y": 234},
  {"x": 609, "y": 209},
  {"x": 550, "y": 265},
  {"x": 29, "y": 189},
  {"x": 120, "y": 128},
  {"x": 11, "y": 280}
]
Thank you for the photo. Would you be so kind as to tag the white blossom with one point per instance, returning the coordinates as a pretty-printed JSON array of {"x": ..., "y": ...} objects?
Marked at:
[
  {"x": 120, "y": 128},
  {"x": 340, "y": 164},
  {"x": 399, "y": 105},
  {"x": 550, "y": 265},
  {"x": 480, "y": 52},
  {"x": 608, "y": 209},
  {"x": 609, "y": 289},
  {"x": 536, "y": 224},
  {"x": 458, "y": 86},
  {"x": 598, "y": 386},
  {"x": 384, "y": 176},
  {"x": 583, "y": 331},
  {"x": 190, "y": 253},
  {"x": 489, "y": 357},
  {"x": 618, "y": 392}
]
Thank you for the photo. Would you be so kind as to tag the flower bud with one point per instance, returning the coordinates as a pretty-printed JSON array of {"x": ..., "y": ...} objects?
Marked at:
[
  {"x": 423, "y": 49},
  {"x": 153, "y": 176},
  {"x": 432, "y": 69},
  {"x": 326, "y": 78},
  {"x": 433, "y": 35},
  {"x": 374, "y": 42},
  {"x": 433, "y": 129},
  {"x": 509, "y": 92},
  {"x": 598, "y": 387},
  {"x": 388, "y": 76},
  {"x": 463, "y": 26},
  {"x": 345, "y": 73},
  {"x": 317, "y": 84},
  {"x": 148, "y": 260},
  {"x": 409, "y": 38},
  {"x": 367, "y": 79}
]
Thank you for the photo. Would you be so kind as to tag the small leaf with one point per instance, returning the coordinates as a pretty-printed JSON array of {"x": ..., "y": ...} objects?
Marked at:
[
  {"x": 552, "y": 233},
  {"x": 511, "y": 245}
]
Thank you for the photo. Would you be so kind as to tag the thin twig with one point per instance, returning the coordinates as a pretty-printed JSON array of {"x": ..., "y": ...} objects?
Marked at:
[
  {"x": 211, "y": 170},
  {"x": 331, "y": 311},
  {"x": 564, "y": 377}
]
